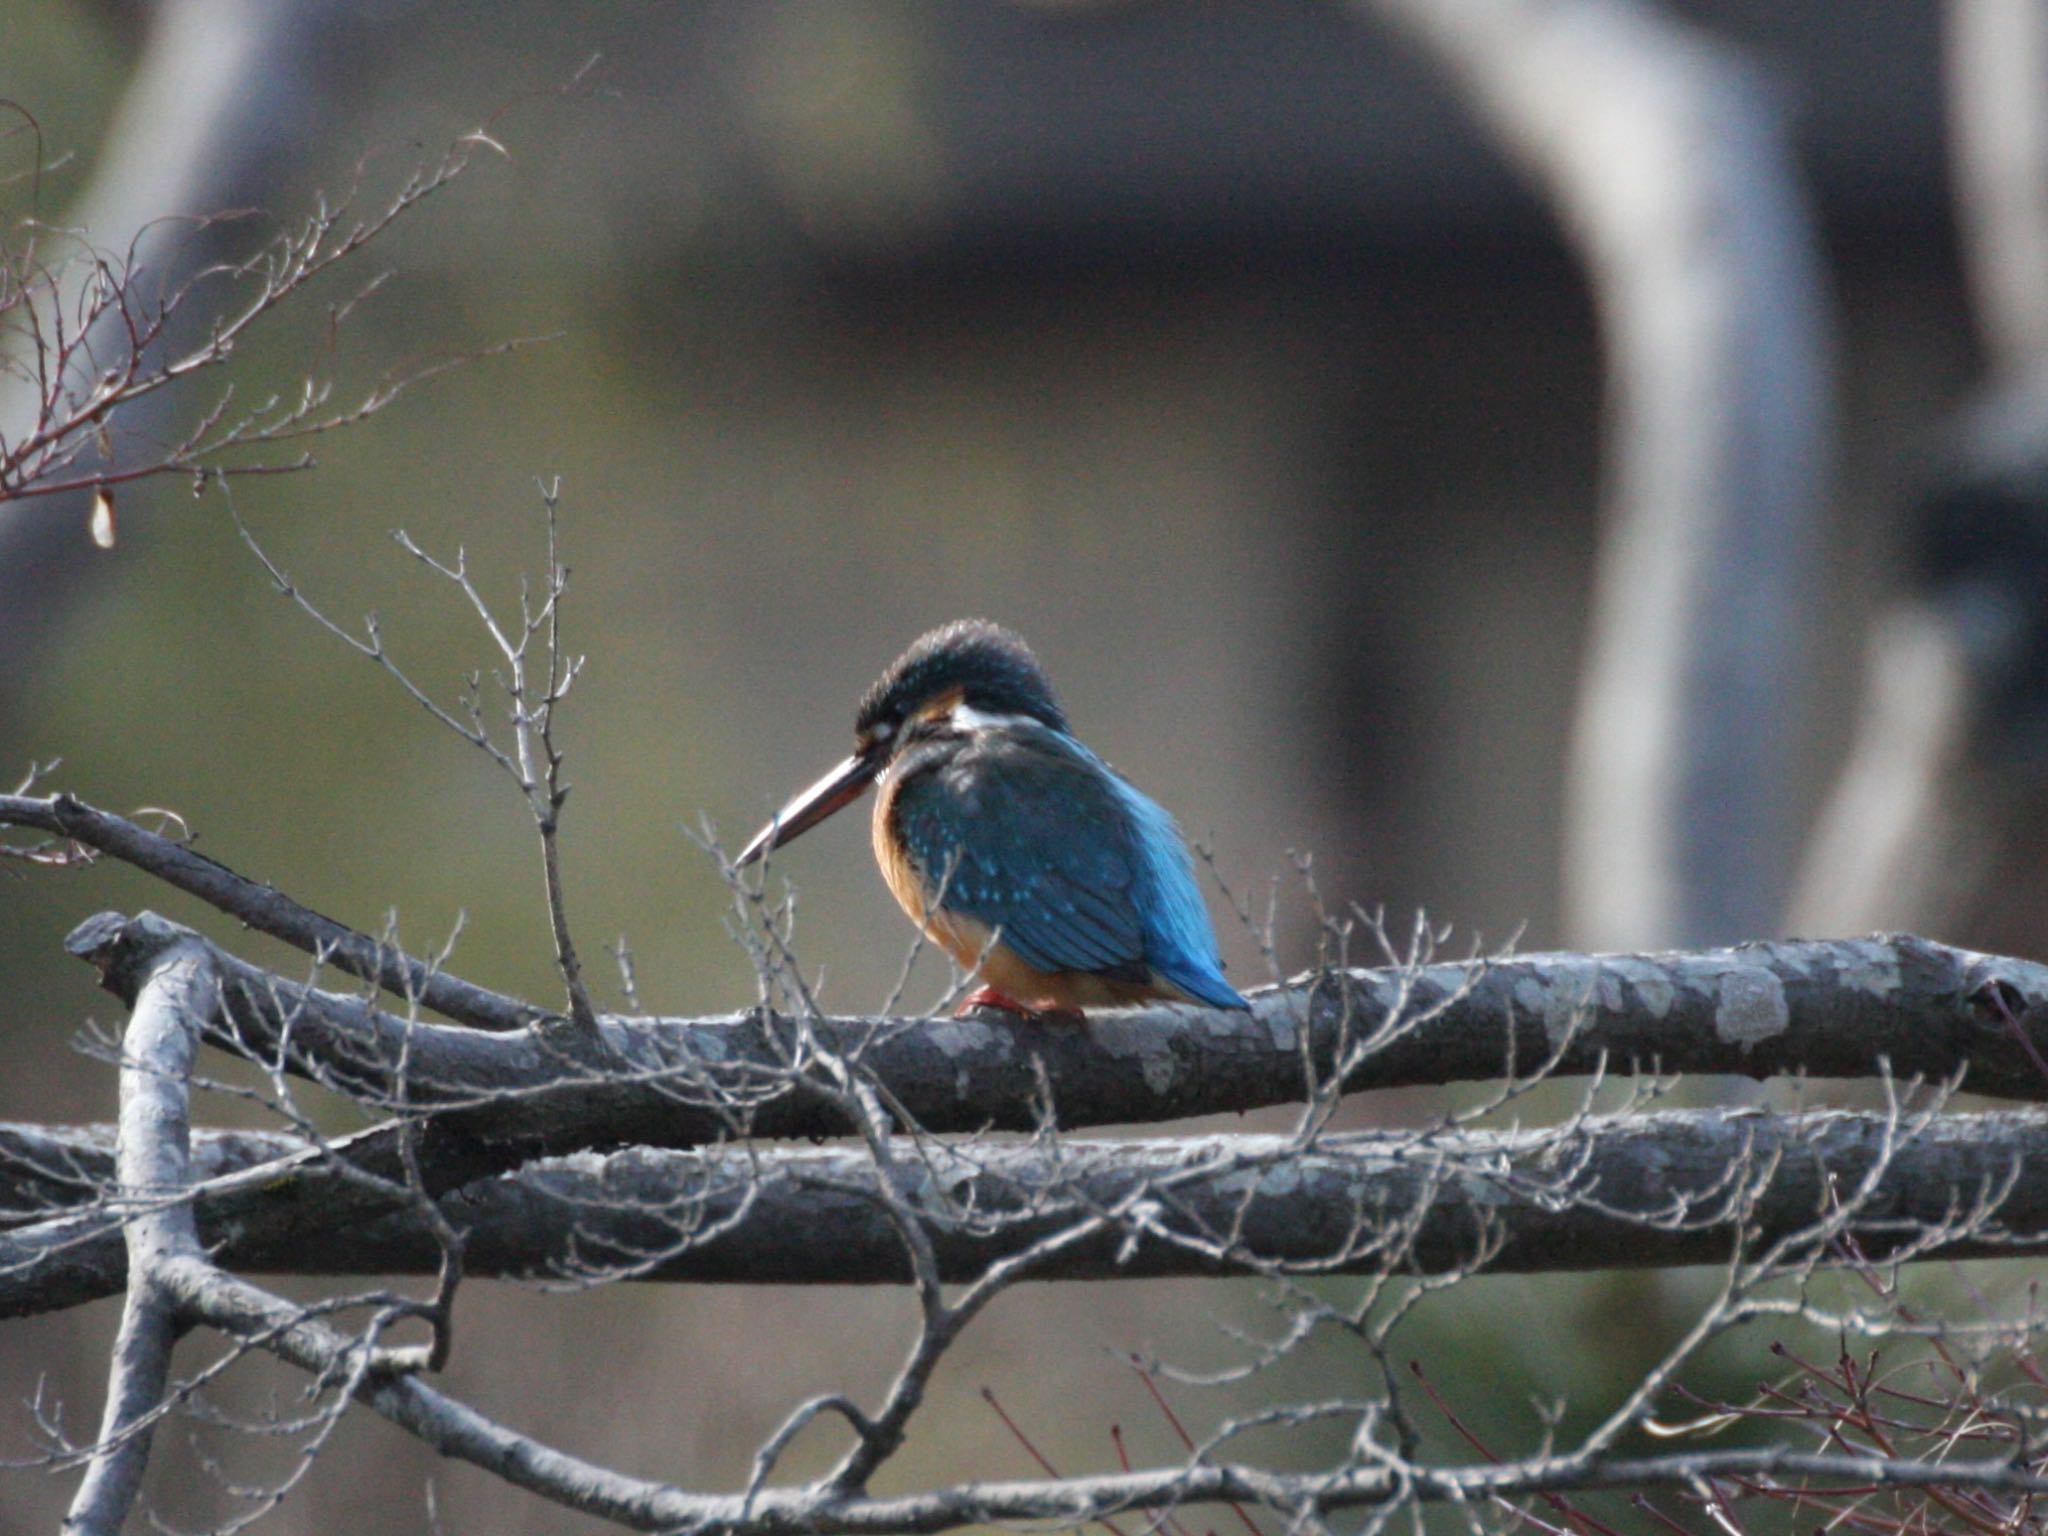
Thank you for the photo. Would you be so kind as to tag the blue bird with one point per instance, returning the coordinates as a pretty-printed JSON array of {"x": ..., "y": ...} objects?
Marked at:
[{"x": 1019, "y": 851}]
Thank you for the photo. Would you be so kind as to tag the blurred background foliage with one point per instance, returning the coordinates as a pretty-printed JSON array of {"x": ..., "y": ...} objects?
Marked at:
[{"x": 1209, "y": 346}]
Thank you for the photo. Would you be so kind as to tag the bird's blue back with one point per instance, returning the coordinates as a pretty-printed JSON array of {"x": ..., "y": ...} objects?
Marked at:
[{"x": 1031, "y": 833}]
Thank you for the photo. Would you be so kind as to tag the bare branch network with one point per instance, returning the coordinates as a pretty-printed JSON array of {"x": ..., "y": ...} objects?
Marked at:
[
  {"x": 91, "y": 338},
  {"x": 503, "y": 1138},
  {"x": 583, "y": 1150},
  {"x": 640, "y": 1150}
]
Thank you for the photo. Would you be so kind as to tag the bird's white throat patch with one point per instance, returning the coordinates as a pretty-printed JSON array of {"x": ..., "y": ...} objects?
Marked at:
[{"x": 968, "y": 718}]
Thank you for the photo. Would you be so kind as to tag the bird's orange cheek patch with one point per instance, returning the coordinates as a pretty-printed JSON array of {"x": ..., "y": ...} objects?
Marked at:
[{"x": 939, "y": 708}]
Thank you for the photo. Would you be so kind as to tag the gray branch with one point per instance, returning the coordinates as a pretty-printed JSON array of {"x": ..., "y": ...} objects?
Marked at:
[
  {"x": 476, "y": 1105},
  {"x": 266, "y": 909},
  {"x": 177, "y": 1284},
  {"x": 1844, "y": 1009},
  {"x": 1849, "y": 1008},
  {"x": 1654, "y": 1190},
  {"x": 155, "y": 1134},
  {"x": 1827, "y": 1009},
  {"x": 1002, "y": 1214}
]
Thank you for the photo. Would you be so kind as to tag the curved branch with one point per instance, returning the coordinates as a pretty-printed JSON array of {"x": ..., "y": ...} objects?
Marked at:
[
  {"x": 267, "y": 910},
  {"x": 159, "y": 1046}
]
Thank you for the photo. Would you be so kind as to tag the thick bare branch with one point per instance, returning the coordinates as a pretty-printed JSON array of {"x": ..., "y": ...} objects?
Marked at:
[
  {"x": 173, "y": 1283},
  {"x": 1626, "y": 1191},
  {"x": 1836, "y": 1008},
  {"x": 1783, "y": 1193}
]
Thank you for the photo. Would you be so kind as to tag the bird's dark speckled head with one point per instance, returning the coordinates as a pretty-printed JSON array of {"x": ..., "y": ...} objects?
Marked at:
[
  {"x": 983, "y": 665},
  {"x": 968, "y": 665}
]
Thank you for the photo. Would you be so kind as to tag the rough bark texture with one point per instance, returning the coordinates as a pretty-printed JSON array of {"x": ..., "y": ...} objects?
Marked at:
[
  {"x": 1767, "y": 1197},
  {"x": 1631, "y": 1191},
  {"x": 1837, "y": 1008}
]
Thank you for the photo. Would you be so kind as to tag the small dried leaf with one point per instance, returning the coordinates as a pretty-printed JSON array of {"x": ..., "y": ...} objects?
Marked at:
[
  {"x": 103, "y": 518},
  {"x": 1709, "y": 1424}
]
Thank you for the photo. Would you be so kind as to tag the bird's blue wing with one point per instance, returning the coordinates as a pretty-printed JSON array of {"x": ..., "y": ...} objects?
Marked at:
[
  {"x": 1023, "y": 836},
  {"x": 1180, "y": 944},
  {"x": 1033, "y": 834}
]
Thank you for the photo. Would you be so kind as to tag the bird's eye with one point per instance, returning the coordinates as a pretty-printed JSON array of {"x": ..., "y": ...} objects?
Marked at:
[{"x": 882, "y": 730}]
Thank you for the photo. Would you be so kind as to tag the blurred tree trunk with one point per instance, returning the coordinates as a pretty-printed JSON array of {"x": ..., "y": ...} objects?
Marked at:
[
  {"x": 1665, "y": 158},
  {"x": 1936, "y": 818}
]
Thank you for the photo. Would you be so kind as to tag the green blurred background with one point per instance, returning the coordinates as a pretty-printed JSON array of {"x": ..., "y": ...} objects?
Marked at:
[{"x": 1209, "y": 347}]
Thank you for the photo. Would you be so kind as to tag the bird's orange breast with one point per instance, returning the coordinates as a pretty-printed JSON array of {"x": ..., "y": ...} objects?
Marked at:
[
  {"x": 959, "y": 935},
  {"x": 968, "y": 940}
]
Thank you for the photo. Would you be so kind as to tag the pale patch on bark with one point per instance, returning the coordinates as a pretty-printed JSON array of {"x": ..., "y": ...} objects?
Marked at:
[
  {"x": 1869, "y": 965},
  {"x": 1654, "y": 991},
  {"x": 1750, "y": 1007},
  {"x": 1128, "y": 1038},
  {"x": 1558, "y": 1006}
]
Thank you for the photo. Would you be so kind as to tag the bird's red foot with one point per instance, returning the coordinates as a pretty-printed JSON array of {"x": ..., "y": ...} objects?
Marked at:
[
  {"x": 995, "y": 997},
  {"x": 990, "y": 997}
]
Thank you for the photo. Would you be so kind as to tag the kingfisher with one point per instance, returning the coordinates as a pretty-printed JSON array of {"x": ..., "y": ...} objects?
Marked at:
[{"x": 1017, "y": 850}]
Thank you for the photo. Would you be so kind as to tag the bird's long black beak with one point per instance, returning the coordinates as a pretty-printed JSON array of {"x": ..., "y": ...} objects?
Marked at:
[{"x": 835, "y": 790}]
